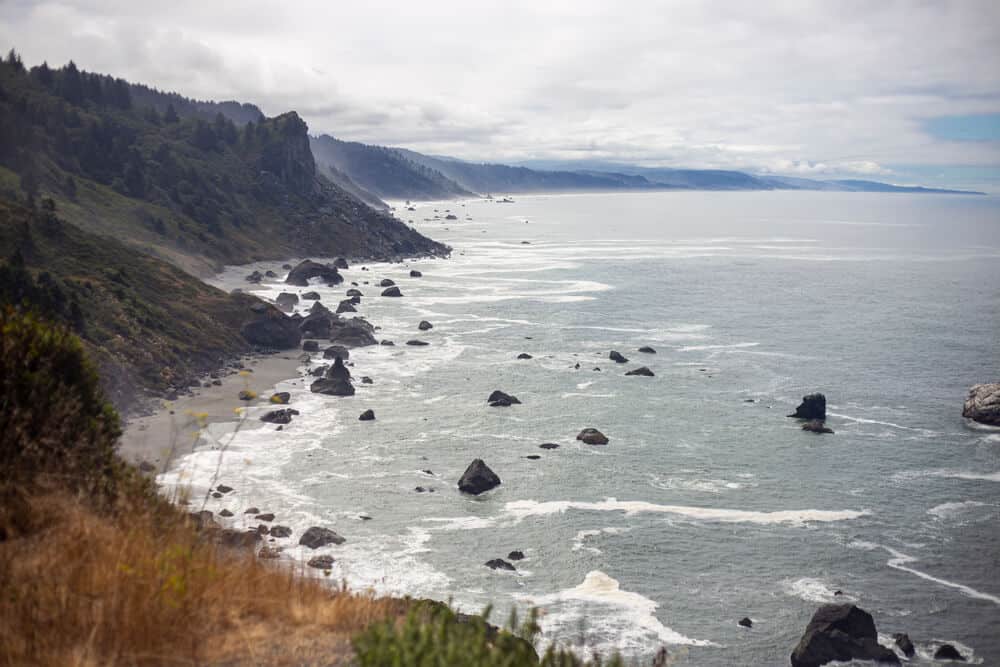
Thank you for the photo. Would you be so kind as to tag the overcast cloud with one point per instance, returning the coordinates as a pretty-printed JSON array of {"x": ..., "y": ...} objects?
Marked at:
[{"x": 836, "y": 88}]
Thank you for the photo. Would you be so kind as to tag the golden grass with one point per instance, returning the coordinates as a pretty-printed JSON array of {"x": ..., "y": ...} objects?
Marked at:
[{"x": 143, "y": 587}]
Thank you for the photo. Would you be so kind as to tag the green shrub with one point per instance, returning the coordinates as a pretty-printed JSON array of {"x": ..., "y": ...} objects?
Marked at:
[{"x": 434, "y": 636}]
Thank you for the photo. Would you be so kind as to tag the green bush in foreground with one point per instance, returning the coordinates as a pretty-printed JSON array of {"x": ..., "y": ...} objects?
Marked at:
[{"x": 434, "y": 636}]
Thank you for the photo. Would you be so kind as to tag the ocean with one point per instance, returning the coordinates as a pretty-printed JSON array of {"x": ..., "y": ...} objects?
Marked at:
[{"x": 708, "y": 504}]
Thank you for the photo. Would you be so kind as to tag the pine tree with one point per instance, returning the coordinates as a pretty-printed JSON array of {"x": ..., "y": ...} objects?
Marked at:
[{"x": 170, "y": 116}]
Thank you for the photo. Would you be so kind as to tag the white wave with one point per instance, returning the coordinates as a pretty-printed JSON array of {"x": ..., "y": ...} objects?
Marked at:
[
  {"x": 813, "y": 590},
  {"x": 862, "y": 420},
  {"x": 581, "y": 537},
  {"x": 695, "y": 484},
  {"x": 575, "y": 394},
  {"x": 901, "y": 561},
  {"x": 626, "y": 621},
  {"x": 950, "y": 510},
  {"x": 954, "y": 474},
  {"x": 697, "y": 348},
  {"x": 521, "y": 509},
  {"x": 462, "y": 522}
]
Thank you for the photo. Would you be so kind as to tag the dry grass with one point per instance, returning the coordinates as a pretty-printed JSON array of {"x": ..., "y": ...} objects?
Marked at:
[{"x": 143, "y": 587}]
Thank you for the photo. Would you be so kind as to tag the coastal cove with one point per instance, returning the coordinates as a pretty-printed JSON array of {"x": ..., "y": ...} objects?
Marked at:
[{"x": 707, "y": 504}]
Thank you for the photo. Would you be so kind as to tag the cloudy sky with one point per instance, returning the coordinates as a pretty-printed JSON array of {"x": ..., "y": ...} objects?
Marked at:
[{"x": 903, "y": 91}]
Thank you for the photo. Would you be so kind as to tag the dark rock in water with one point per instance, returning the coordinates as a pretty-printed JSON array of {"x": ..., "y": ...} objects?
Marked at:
[
  {"x": 816, "y": 426},
  {"x": 321, "y": 562},
  {"x": 905, "y": 645},
  {"x": 367, "y": 416},
  {"x": 549, "y": 445},
  {"x": 948, "y": 652},
  {"x": 642, "y": 370},
  {"x": 353, "y": 332},
  {"x": 281, "y": 531},
  {"x": 346, "y": 306},
  {"x": 417, "y": 343},
  {"x": 283, "y": 416},
  {"x": 203, "y": 519},
  {"x": 310, "y": 346},
  {"x": 287, "y": 299},
  {"x": 387, "y": 343},
  {"x": 251, "y": 510},
  {"x": 336, "y": 381},
  {"x": 317, "y": 324},
  {"x": 524, "y": 355},
  {"x": 271, "y": 328},
  {"x": 647, "y": 349},
  {"x": 341, "y": 263},
  {"x": 280, "y": 398},
  {"x": 478, "y": 478},
  {"x": 336, "y": 352},
  {"x": 319, "y": 371},
  {"x": 386, "y": 283},
  {"x": 592, "y": 436},
  {"x": 225, "y": 513},
  {"x": 840, "y": 632},
  {"x": 499, "y": 399},
  {"x": 415, "y": 274},
  {"x": 500, "y": 564},
  {"x": 983, "y": 404},
  {"x": 238, "y": 539},
  {"x": 269, "y": 553},
  {"x": 392, "y": 291},
  {"x": 222, "y": 488},
  {"x": 312, "y": 296},
  {"x": 265, "y": 517},
  {"x": 216, "y": 494},
  {"x": 354, "y": 292},
  {"x": 366, "y": 380},
  {"x": 515, "y": 555},
  {"x": 533, "y": 457},
  {"x": 425, "y": 325},
  {"x": 419, "y": 489},
  {"x": 338, "y": 371},
  {"x": 746, "y": 622},
  {"x": 270, "y": 274},
  {"x": 317, "y": 537},
  {"x": 255, "y": 277},
  {"x": 617, "y": 357},
  {"x": 307, "y": 269},
  {"x": 813, "y": 406},
  {"x": 286, "y": 267}
]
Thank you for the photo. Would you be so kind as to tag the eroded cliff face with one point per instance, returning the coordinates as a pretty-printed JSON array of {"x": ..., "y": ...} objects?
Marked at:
[{"x": 285, "y": 154}]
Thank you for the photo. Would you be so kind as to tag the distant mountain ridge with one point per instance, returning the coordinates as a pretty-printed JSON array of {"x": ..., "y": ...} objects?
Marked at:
[{"x": 399, "y": 173}]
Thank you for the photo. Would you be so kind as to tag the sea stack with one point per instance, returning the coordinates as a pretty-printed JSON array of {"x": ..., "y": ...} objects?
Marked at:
[{"x": 478, "y": 478}]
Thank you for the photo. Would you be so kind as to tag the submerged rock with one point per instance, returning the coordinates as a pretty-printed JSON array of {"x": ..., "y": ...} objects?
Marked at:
[
  {"x": 592, "y": 436},
  {"x": 948, "y": 652},
  {"x": 816, "y": 426},
  {"x": 283, "y": 416},
  {"x": 642, "y": 370},
  {"x": 617, "y": 357},
  {"x": 983, "y": 404},
  {"x": 317, "y": 537},
  {"x": 647, "y": 349},
  {"x": 417, "y": 343},
  {"x": 500, "y": 564},
  {"x": 813, "y": 406},
  {"x": 499, "y": 399},
  {"x": 840, "y": 632},
  {"x": 549, "y": 445},
  {"x": 524, "y": 355},
  {"x": 478, "y": 478}
]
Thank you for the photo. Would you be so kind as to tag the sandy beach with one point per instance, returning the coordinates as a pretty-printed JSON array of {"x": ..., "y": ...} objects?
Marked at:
[{"x": 156, "y": 438}]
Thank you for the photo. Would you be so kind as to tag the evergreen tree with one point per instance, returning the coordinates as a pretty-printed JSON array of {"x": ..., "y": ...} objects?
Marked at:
[
  {"x": 170, "y": 116},
  {"x": 71, "y": 87}
]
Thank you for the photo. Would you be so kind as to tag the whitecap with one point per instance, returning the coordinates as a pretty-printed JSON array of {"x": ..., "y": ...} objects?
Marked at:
[
  {"x": 697, "y": 348},
  {"x": 950, "y": 510},
  {"x": 813, "y": 590}
]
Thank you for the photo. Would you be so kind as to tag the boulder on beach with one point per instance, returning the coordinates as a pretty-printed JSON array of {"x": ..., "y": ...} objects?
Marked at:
[
  {"x": 816, "y": 426},
  {"x": 642, "y": 370},
  {"x": 983, "y": 404},
  {"x": 415, "y": 274},
  {"x": 280, "y": 398},
  {"x": 385, "y": 282},
  {"x": 500, "y": 564},
  {"x": 336, "y": 351},
  {"x": 417, "y": 343},
  {"x": 617, "y": 357},
  {"x": 948, "y": 652},
  {"x": 425, "y": 325},
  {"x": 367, "y": 416},
  {"x": 840, "y": 632},
  {"x": 392, "y": 291},
  {"x": 283, "y": 416},
  {"x": 499, "y": 399},
  {"x": 312, "y": 296},
  {"x": 317, "y": 537},
  {"x": 271, "y": 328},
  {"x": 647, "y": 349},
  {"x": 478, "y": 478},
  {"x": 524, "y": 355},
  {"x": 324, "y": 562},
  {"x": 592, "y": 436},
  {"x": 813, "y": 406},
  {"x": 905, "y": 645},
  {"x": 308, "y": 269}
]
